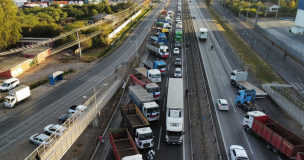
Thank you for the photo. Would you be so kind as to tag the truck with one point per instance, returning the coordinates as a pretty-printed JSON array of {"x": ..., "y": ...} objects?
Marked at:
[
  {"x": 123, "y": 146},
  {"x": 17, "y": 95},
  {"x": 152, "y": 88},
  {"x": 152, "y": 74},
  {"x": 159, "y": 24},
  {"x": 239, "y": 79},
  {"x": 160, "y": 65},
  {"x": 145, "y": 103},
  {"x": 178, "y": 35},
  {"x": 161, "y": 51},
  {"x": 203, "y": 34},
  {"x": 138, "y": 126},
  {"x": 178, "y": 26},
  {"x": 175, "y": 112},
  {"x": 245, "y": 99},
  {"x": 278, "y": 138}
]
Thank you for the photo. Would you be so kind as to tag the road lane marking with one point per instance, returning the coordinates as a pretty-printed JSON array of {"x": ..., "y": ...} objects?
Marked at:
[
  {"x": 232, "y": 104},
  {"x": 164, "y": 104},
  {"x": 168, "y": 66},
  {"x": 290, "y": 71},
  {"x": 298, "y": 85},
  {"x": 299, "y": 79},
  {"x": 171, "y": 45},
  {"x": 247, "y": 142},
  {"x": 294, "y": 86},
  {"x": 216, "y": 64},
  {"x": 223, "y": 81},
  {"x": 282, "y": 64},
  {"x": 167, "y": 82},
  {"x": 159, "y": 137}
]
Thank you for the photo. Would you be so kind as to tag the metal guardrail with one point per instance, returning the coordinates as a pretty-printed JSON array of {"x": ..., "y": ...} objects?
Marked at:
[{"x": 94, "y": 105}]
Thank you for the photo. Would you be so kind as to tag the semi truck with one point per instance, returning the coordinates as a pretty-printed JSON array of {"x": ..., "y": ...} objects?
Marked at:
[
  {"x": 278, "y": 138},
  {"x": 178, "y": 35},
  {"x": 145, "y": 103},
  {"x": 138, "y": 126},
  {"x": 203, "y": 34},
  {"x": 245, "y": 99},
  {"x": 123, "y": 146},
  {"x": 160, "y": 65},
  {"x": 239, "y": 79},
  {"x": 161, "y": 51},
  {"x": 175, "y": 112},
  {"x": 17, "y": 95},
  {"x": 152, "y": 74},
  {"x": 152, "y": 88}
]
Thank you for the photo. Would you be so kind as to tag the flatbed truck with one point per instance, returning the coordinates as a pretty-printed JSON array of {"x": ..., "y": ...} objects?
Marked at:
[{"x": 152, "y": 88}]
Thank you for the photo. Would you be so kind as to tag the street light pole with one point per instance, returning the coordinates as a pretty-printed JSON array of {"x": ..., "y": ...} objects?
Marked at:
[
  {"x": 277, "y": 10},
  {"x": 266, "y": 12},
  {"x": 240, "y": 9},
  {"x": 248, "y": 8},
  {"x": 268, "y": 51}
]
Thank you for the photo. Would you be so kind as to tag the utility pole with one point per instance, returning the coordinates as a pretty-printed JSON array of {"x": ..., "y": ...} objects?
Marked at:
[
  {"x": 248, "y": 8},
  {"x": 266, "y": 11},
  {"x": 78, "y": 44},
  {"x": 240, "y": 9},
  {"x": 277, "y": 9}
]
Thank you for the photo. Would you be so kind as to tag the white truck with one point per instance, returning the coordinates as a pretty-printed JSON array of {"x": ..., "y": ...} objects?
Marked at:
[
  {"x": 203, "y": 34},
  {"x": 175, "y": 112},
  {"x": 152, "y": 74},
  {"x": 239, "y": 79},
  {"x": 144, "y": 102},
  {"x": 178, "y": 26},
  {"x": 161, "y": 51},
  {"x": 17, "y": 95}
]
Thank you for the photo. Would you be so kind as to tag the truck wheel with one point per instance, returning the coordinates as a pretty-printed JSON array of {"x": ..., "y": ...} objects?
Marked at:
[
  {"x": 247, "y": 129},
  {"x": 274, "y": 150},
  {"x": 233, "y": 83},
  {"x": 244, "y": 108},
  {"x": 269, "y": 146},
  {"x": 238, "y": 103}
]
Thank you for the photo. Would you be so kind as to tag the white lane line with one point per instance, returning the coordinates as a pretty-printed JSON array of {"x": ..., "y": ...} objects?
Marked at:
[
  {"x": 171, "y": 45},
  {"x": 247, "y": 142},
  {"x": 298, "y": 85},
  {"x": 290, "y": 71},
  {"x": 282, "y": 64},
  {"x": 164, "y": 103},
  {"x": 170, "y": 54},
  {"x": 302, "y": 84},
  {"x": 299, "y": 79},
  {"x": 168, "y": 66},
  {"x": 216, "y": 64},
  {"x": 294, "y": 86},
  {"x": 167, "y": 82},
  {"x": 172, "y": 38},
  {"x": 159, "y": 137},
  {"x": 223, "y": 81},
  {"x": 232, "y": 104}
]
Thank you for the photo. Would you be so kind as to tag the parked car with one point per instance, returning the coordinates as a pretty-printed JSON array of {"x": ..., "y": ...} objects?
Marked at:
[
  {"x": 178, "y": 62},
  {"x": 39, "y": 138},
  {"x": 222, "y": 104},
  {"x": 177, "y": 44},
  {"x": 237, "y": 152},
  {"x": 64, "y": 117},
  {"x": 178, "y": 73},
  {"x": 50, "y": 129},
  {"x": 176, "y": 51},
  {"x": 9, "y": 84}
]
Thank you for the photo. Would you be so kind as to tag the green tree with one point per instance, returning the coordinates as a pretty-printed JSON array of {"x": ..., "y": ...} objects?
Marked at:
[
  {"x": 208, "y": 2},
  {"x": 10, "y": 27},
  {"x": 283, "y": 9},
  {"x": 44, "y": 17},
  {"x": 94, "y": 12}
]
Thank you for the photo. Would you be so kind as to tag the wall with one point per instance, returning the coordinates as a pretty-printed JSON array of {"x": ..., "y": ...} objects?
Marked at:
[
  {"x": 111, "y": 35},
  {"x": 16, "y": 71}
]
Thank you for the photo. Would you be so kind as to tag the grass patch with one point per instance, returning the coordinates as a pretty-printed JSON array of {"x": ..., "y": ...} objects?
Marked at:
[{"x": 261, "y": 69}]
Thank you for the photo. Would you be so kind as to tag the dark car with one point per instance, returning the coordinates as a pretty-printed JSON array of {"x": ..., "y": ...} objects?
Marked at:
[
  {"x": 177, "y": 44},
  {"x": 64, "y": 117},
  {"x": 193, "y": 17}
]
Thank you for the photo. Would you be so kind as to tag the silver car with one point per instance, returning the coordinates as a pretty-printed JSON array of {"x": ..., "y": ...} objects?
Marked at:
[
  {"x": 178, "y": 62},
  {"x": 58, "y": 129},
  {"x": 39, "y": 138},
  {"x": 222, "y": 104},
  {"x": 178, "y": 73}
]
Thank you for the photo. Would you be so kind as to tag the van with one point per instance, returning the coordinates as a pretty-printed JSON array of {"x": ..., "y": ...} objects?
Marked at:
[
  {"x": 178, "y": 73},
  {"x": 9, "y": 84}
]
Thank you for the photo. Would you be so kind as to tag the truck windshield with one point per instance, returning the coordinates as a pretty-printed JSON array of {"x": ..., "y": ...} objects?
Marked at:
[
  {"x": 153, "y": 90},
  {"x": 163, "y": 50},
  {"x": 7, "y": 100},
  {"x": 145, "y": 136},
  {"x": 153, "y": 110},
  {"x": 163, "y": 38},
  {"x": 172, "y": 133},
  {"x": 4, "y": 84},
  {"x": 155, "y": 75},
  {"x": 161, "y": 67}
]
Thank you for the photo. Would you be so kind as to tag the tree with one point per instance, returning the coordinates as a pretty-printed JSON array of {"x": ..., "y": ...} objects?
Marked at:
[
  {"x": 208, "y": 2},
  {"x": 94, "y": 12},
  {"x": 283, "y": 9},
  {"x": 10, "y": 27}
]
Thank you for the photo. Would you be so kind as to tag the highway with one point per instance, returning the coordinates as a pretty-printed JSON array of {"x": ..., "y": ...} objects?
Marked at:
[
  {"x": 33, "y": 115},
  {"x": 218, "y": 70}
]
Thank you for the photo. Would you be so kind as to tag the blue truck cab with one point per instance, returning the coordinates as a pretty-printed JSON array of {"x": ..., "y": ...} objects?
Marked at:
[
  {"x": 245, "y": 96},
  {"x": 160, "y": 65},
  {"x": 162, "y": 38}
]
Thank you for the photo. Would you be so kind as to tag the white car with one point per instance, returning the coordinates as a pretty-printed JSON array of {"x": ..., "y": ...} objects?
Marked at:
[
  {"x": 9, "y": 84},
  {"x": 50, "y": 129},
  {"x": 178, "y": 19},
  {"x": 178, "y": 73},
  {"x": 237, "y": 152},
  {"x": 176, "y": 51},
  {"x": 39, "y": 138},
  {"x": 222, "y": 104},
  {"x": 179, "y": 22}
]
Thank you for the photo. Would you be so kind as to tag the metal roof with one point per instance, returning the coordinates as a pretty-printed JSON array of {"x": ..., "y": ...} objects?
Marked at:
[{"x": 11, "y": 62}]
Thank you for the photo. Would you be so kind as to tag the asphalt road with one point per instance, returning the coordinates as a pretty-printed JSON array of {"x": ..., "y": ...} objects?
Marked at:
[
  {"x": 218, "y": 66},
  {"x": 17, "y": 127},
  {"x": 289, "y": 69}
]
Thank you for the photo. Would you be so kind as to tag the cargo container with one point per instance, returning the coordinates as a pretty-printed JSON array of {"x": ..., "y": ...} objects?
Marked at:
[{"x": 152, "y": 88}]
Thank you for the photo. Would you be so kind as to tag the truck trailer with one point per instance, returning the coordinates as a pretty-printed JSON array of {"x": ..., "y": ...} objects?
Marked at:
[
  {"x": 175, "y": 111},
  {"x": 17, "y": 95},
  {"x": 158, "y": 50},
  {"x": 123, "y": 146},
  {"x": 144, "y": 102},
  {"x": 152, "y": 74},
  {"x": 203, "y": 34},
  {"x": 278, "y": 138},
  {"x": 138, "y": 126},
  {"x": 152, "y": 88},
  {"x": 239, "y": 79}
]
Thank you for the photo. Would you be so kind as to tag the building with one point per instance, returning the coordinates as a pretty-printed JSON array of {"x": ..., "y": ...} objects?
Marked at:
[
  {"x": 271, "y": 7},
  {"x": 298, "y": 27},
  {"x": 25, "y": 41},
  {"x": 13, "y": 66},
  {"x": 41, "y": 53}
]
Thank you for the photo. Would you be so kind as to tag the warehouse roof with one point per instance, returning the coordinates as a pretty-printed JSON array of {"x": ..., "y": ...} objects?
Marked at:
[{"x": 11, "y": 62}]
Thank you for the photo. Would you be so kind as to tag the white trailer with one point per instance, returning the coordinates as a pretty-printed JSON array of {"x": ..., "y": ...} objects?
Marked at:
[
  {"x": 175, "y": 111},
  {"x": 203, "y": 34},
  {"x": 17, "y": 95},
  {"x": 239, "y": 79},
  {"x": 161, "y": 51}
]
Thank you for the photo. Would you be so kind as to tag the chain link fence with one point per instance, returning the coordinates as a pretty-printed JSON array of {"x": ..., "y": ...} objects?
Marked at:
[{"x": 94, "y": 105}]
